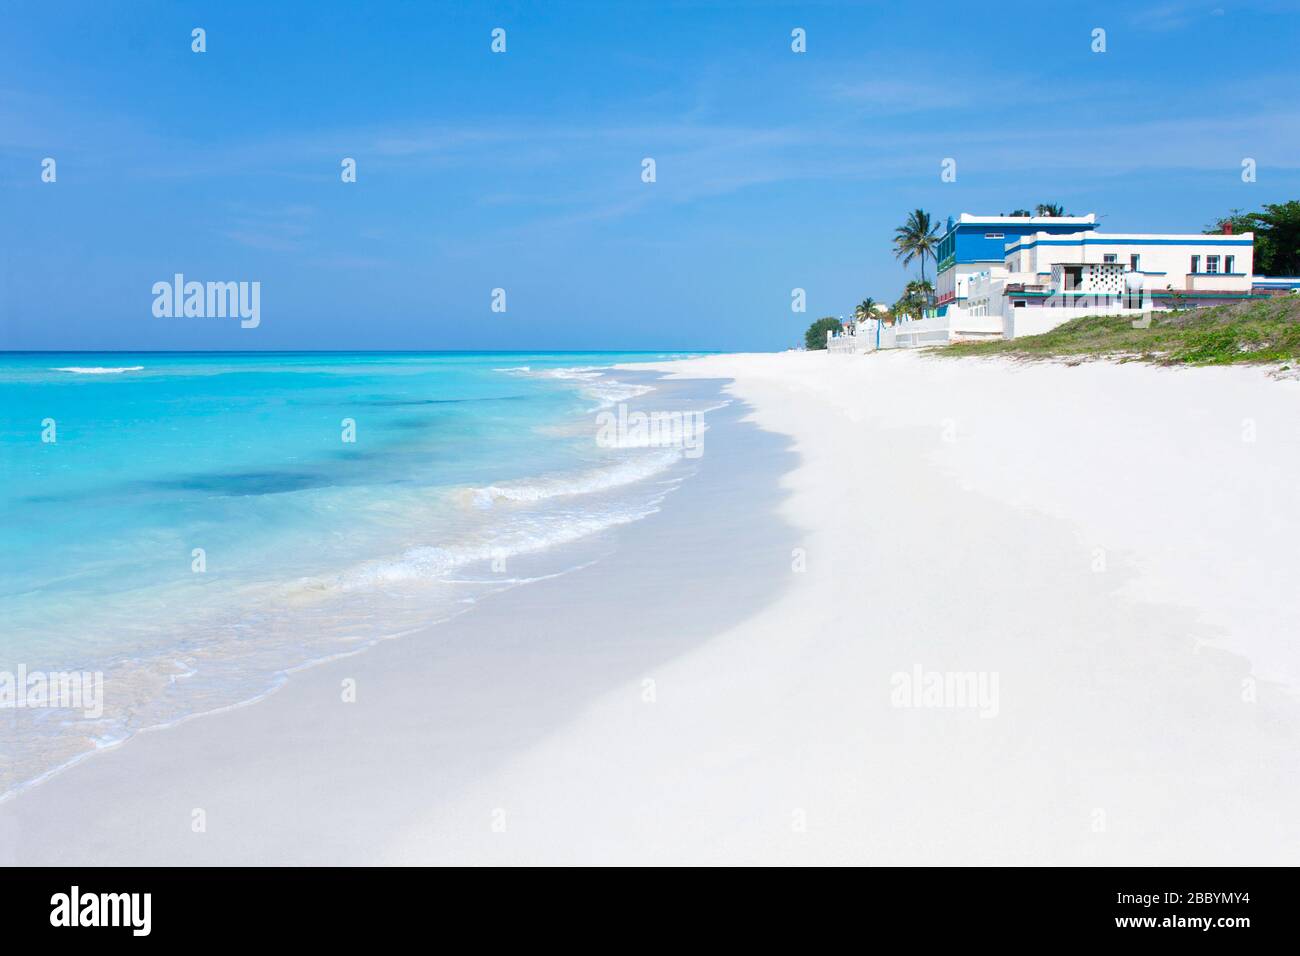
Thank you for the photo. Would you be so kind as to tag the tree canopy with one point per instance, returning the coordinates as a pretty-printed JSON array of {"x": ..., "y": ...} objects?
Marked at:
[
  {"x": 815, "y": 337},
  {"x": 1277, "y": 236}
]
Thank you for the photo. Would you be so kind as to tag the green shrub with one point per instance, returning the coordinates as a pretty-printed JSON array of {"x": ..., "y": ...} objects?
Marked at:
[{"x": 815, "y": 337}]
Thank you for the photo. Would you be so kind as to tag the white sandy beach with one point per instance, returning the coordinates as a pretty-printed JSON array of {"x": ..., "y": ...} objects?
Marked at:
[{"x": 1111, "y": 549}]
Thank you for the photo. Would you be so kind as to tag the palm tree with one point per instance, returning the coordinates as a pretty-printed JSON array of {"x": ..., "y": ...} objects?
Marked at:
[
  {"x": 1050, "y": 209},
  {"x": 866, "y": 309},
  {"x": 916, "y": 239},
  {"x": 918, "y": 290},
  {"x": 914, "y": 298},
  {"x": 1020, "y": 212}
]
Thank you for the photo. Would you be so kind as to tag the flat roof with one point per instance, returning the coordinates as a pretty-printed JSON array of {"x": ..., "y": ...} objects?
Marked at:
[
  {"x": 967, "y": 218},
  {"x": 1135, "y": 238}
]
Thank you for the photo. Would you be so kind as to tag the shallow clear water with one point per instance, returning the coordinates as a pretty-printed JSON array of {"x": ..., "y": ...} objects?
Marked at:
[{"x": 201, "y": 523}]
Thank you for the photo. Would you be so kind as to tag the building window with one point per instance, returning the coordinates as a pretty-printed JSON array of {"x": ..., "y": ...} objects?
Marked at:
[
  {"x": 1109, "y": 257},
  {"x": 994, "y": 235},
  {"x": 1135, "y": 262},
  {"x": 1018, "y": 303},
  {"x": 1212, "y": 265},
  {"x": 1230, "y": 264},
  {"x": 1196, "y": 264}
]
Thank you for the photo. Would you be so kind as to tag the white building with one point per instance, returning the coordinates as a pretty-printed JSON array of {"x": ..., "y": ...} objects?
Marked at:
[
  {"x": 1048, "y": 279},
  {"x": 1096, "y": 261},
  {"x": 974, "y": 244},
  {"x": 1059, "y": 268}
]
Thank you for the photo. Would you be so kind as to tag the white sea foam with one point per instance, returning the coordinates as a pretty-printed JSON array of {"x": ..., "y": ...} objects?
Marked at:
[
  {"x": 576, "y": 371},
  {"x": 604, "y": 478},
  {"x": 595, "y": 383},
  {"x": 527, "y": 531},
  {"x": 99, "y": 369},
  {"x": 612, "y": 392},
  {"x": 435, "y": 562}
]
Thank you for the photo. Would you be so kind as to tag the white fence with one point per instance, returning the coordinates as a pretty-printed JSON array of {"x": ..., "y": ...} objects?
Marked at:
[
  {"x": 955, "y": 326},
  {"x": 920, "y": 332},
  {"x": 900, "y": 335},
  {"x": 850, "y": 344},
  {"x": 958, "y": 326}
]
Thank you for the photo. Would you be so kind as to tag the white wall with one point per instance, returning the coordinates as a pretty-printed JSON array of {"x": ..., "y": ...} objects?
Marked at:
[
  {"x": 1162, "y": 265},
  {"x": 964, "y": 327},
  {"x": 932, "y": 331},
  {"x": 957, "y": 279},
  {"x": 847, "y": 345}
]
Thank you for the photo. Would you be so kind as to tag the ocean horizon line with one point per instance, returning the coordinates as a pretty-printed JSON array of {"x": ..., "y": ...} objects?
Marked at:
[{"x": 590, "y": 351}]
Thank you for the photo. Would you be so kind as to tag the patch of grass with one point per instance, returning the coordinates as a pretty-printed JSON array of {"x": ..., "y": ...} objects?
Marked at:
[{"x": 1264, "y": 331}]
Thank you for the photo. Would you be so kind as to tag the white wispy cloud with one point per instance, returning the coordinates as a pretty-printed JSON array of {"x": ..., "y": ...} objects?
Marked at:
[{"x": 269, "y": 228}]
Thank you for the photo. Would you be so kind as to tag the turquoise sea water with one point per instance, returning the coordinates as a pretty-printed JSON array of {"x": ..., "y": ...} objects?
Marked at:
[{"x": 200, "y": 525}]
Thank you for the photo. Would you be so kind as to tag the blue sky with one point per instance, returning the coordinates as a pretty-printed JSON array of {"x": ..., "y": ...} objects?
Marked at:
[{"x": 521, "y": 170}]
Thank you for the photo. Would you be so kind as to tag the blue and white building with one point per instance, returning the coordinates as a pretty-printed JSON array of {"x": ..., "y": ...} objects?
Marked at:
[
  {"x": 1047, "y": 279},
  {"x": 1006, "y": 276},
  {"x": 975, "y": 244}
]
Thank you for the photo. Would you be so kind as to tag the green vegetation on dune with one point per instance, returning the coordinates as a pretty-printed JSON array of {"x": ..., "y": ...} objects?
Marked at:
[{"x": 1266, "y": 331}]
